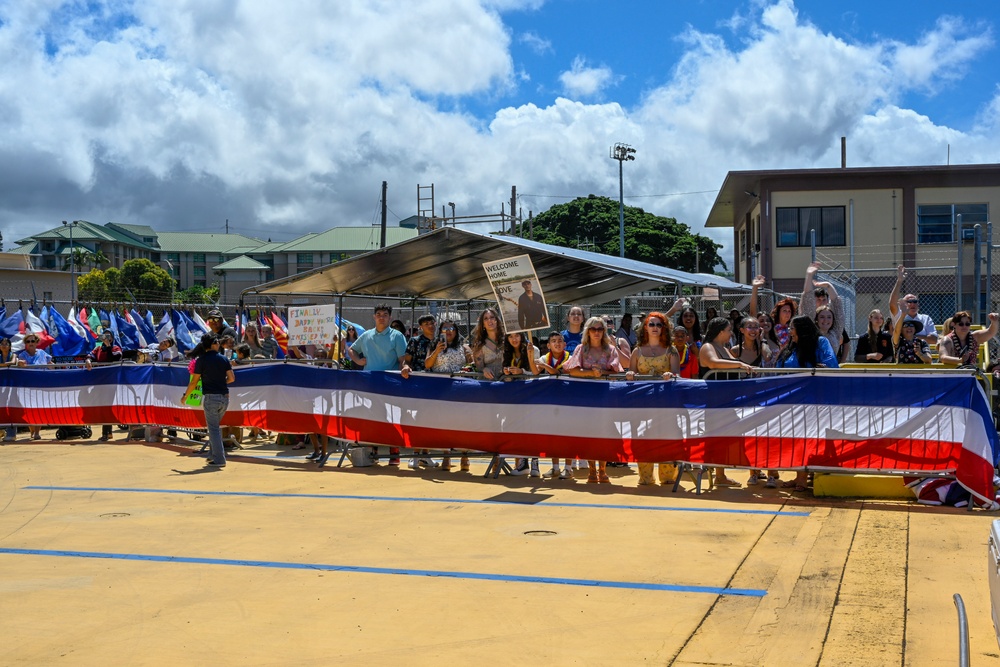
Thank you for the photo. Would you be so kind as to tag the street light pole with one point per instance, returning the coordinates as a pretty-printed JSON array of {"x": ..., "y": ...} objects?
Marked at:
[
  {"x": 622, "y": 153},
  {"x": 452, "y": 204},
  {"x": 72, "y": 260}
]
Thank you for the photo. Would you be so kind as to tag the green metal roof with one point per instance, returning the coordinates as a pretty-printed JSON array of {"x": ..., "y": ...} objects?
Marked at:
[
  {"x": 88, "y": 231},
  {"x": 28, "y": 248},
  {"x": 201, "y": 242},
  {"x": 241, "y": 263},
  {"x": 347, "y": 239},
  {"x": 139, "y": 232}
]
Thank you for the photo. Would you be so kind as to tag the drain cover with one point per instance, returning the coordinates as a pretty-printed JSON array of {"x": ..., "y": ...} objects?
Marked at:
[{"x": 540, "y": 533}]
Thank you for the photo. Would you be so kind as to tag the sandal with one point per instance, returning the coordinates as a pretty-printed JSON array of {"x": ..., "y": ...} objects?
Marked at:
[
  {"x": 301, "y": 445},
  {"x": 603, "y": 479},
  {"x": 799, "y": 488},
  {"x": 790, "y": 484},
  {"x": 725, "y": 481},
  {"x": 592, "y": 477}
]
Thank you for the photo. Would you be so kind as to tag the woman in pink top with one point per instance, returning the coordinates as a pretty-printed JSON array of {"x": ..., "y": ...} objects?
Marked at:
[{"x": 594, "y": 357}]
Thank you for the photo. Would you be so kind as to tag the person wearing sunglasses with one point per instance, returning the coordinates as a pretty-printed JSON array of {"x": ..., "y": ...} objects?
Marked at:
[
  {"x": 655, "y": 356},
  {"x": 909, "y": 308},
  {"x": 596, "y": 356},
  {"x": 32, "y": 356},
  {"x": 961, "y": 346}
]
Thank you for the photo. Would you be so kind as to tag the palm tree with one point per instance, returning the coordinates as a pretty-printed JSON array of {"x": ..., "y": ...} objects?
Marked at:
[
  {"x": 97, "y": 259},
  {"x": 77, "y": 258}
]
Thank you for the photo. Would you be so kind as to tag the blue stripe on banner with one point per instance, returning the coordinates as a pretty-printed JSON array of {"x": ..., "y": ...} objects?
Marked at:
[
  {"x": 321, "y": 567},
  {"x": 451, "y": 501},
  {"x": 867, "y": 390}
]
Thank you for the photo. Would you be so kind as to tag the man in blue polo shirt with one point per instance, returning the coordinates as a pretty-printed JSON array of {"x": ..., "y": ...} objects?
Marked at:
[{"x": 381, "y": 349}]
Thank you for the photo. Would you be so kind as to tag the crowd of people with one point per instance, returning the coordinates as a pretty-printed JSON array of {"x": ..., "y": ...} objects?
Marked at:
[{"x": 808, "y": 333}]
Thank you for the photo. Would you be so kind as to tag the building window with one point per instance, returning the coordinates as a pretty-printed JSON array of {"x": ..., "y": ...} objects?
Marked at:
[
  {"x": 795, "y": 226},
  {"x": 174, "y": 257},
  {"x": 48, "y": 246},
  {"x": 198, "y": 257},
  {"x": 199, "y": 271},
  {"x": 304, "y": 258},
  {"x": 936, "y": 222},
  {"x": 50, "y": 262}
]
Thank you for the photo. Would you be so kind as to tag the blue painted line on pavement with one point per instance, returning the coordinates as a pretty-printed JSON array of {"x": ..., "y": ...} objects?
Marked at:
[
  {"x": 479, "y": 576},
  {"x": 452, "y": 501}
]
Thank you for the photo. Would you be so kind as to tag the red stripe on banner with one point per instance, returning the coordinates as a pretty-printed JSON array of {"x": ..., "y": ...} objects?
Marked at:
[
  {"x": 773, "y": 452},
  {"x": 974, "y": 472}
]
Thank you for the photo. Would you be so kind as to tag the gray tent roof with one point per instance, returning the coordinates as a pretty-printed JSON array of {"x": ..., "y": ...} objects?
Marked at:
[{"x": 448, "y": 264}]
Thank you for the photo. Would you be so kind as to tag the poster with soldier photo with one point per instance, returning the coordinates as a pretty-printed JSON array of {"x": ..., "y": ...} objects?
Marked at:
[{"x": 518, "y": 293}]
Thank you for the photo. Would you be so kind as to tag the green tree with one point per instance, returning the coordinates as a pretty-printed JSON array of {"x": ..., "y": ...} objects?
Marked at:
[
  {"x": 93, "y": 286},
  {"x": 591, "y": 223},
  {"x": 199, "y": 294},
  {"x": 144, "y": 280}
]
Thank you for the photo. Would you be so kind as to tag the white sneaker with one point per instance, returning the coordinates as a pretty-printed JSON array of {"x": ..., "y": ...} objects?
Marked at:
[
  {"x": 772, "y": 482},
  {"x": 754, "y": 478},
  {"x": 414, "y": 464},
  {"x": 567, "y": 473},
  {"x": 552, "y": 473},
  {"x": 534, "y": 468},
  {"x": 520, "y": 468},
  {"x": 428, "y": 463}
]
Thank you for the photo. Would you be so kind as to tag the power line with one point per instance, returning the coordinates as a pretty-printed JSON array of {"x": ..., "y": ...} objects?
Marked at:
[{"x": 667, "y": 194}]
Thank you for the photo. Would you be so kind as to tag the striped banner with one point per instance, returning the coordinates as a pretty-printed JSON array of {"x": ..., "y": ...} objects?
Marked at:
[{"x": 903, "y": 422}]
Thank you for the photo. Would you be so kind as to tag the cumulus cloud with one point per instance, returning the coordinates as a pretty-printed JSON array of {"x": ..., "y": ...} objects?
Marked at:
[
  {"x": 285, "y": 118},
  {"x": 583, "y": 81}
]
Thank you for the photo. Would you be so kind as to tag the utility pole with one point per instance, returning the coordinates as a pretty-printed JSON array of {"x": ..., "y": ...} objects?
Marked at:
[
  {"x": 622, "y": 153},
  {"x": 385, "y": 211},
  {"x": 513, "y": 206}
]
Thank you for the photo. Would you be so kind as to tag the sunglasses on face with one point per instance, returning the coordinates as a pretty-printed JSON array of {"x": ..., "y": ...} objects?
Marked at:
[
  {"x": 598, "y": 329},
  {"x": 654, "y": 325},
  {"x": 447, "y": 328},
  {"x": 963, "y": 324},
  {"x": 912, "y": 301}
]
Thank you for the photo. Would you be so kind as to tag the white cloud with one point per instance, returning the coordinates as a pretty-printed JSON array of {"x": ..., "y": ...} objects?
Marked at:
[
  {"x": 535, "y": 43},
  {"x": 583, "y": 81},
  {"x": 287, "y": 117}
]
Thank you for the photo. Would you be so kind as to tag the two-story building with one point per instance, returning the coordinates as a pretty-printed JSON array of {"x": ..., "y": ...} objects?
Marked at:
[
  {"x": 864, "y": 222},
  {"x": 233, "y": 261}
]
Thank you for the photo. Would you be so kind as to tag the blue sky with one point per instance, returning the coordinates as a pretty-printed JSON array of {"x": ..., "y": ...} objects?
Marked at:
[{"x": 284, "y": 118}]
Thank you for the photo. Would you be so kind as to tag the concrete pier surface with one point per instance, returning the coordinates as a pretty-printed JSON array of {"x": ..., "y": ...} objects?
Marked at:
[{"x": 138, "y": 554}]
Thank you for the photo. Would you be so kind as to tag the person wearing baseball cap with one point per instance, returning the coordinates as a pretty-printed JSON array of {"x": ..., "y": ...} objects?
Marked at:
[{"x": 218, "y": 325}]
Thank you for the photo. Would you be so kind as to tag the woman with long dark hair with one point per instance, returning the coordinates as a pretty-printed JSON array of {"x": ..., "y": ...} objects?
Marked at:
[
  {"x": 216, "y": 374},
  {"x": 806, "y": 347},
  {"x": 487, "y": 344},
  {"x": 714, "y": 355},
  {"x": 688, "y": 318},
  {"x": 518, "y": 355},
  {"x": 875, "y": 345}
]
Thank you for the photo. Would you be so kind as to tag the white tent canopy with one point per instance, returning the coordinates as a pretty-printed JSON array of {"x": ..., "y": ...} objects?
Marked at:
[{"x": 448, "y": 264}]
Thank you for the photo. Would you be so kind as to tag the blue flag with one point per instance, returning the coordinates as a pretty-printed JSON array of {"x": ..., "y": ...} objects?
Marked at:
[
  {"x": 182, "y": 335},
  {"x": 128, "y": 335},
  {"x": 145, "y": 327},
  {"x": 11, "y": 326},
  {"x": 69, "y": 343}
]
